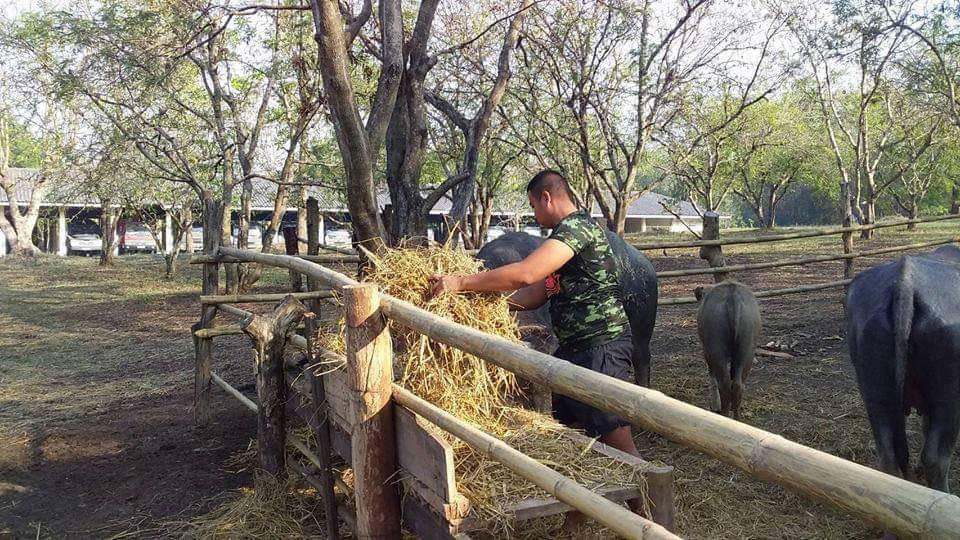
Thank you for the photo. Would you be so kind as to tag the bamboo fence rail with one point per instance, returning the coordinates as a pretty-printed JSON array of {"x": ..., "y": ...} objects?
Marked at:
[
  {"x": 893, "y": 503},
  {"x": 804, "y": 260},
  {"x": 788, "y": 236}
]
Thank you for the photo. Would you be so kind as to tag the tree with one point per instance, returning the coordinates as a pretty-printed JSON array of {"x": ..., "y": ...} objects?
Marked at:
[
  {"x": 474, "y": 128},
  {"x": 359, "y": 141},
  {"x": 785, "y": 152},
  {"x": 860, "y": 122},
  {"x": 17, "y": 224}
]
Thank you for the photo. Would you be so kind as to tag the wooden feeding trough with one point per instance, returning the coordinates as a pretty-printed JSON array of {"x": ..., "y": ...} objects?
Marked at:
[{"x": 432, "y": 506}]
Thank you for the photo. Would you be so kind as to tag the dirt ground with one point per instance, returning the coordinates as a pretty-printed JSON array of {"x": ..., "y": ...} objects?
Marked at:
[{"x": 96, "y": 375}]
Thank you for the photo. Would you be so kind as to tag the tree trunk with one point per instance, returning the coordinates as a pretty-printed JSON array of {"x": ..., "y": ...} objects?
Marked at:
[
  {"x": 619, "y": 224},
  {"x": 955, "y": 199},
  {"x": 109, "y": 217},
  {"x": 913, "y": 211},
  {"x": 869, "y": 217},
  {"x": 18, "y": 226}
]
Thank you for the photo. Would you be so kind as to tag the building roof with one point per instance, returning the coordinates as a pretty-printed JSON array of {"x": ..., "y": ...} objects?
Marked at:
[
  {"x": 651, "y": 205},
  {"x": 58, "y": 193},
  {"x": 648, "y": 205}
]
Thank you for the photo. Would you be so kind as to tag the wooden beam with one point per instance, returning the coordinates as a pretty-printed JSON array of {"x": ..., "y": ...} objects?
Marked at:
[
  {"x": 247, "y": 402},
  {"x": 216, "y": 299},
  {"x": 763, "y": 294},
  {"x": 369, "y": 375},
  {"x": 235, "y": 311},
  {"x": 226, "y": 330},
  {"x": 618, "y": 518},
  {"x": 269, "y": 335}
]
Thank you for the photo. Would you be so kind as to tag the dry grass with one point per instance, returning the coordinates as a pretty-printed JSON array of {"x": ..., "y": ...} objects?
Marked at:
[{"x": 271, "y": 509}]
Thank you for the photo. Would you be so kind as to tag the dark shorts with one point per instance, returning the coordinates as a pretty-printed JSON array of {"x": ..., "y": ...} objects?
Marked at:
[{"x": 614, "y": 359}]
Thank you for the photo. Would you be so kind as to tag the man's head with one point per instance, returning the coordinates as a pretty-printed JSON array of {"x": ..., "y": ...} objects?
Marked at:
[{"x": 550, "y": 197}]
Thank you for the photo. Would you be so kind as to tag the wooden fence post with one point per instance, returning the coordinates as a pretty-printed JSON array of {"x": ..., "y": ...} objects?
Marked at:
[
  {"x": 203, "y": 347},
  {"x": 369, "y": 376},
  {"x": 269, "y": 335},
  {"x": 713, "y": 254},
  {"x": 318, "y": 394}
]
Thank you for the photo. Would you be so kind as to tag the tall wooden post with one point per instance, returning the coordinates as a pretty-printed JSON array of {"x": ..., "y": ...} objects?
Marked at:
[
  {"x": 269, "y": 335},
  {"x": 203, "y": 347},
  {"x": 369, "y": 376},
  {"x": 319, "y": 424},
  {"x": 713, "y": 254}
]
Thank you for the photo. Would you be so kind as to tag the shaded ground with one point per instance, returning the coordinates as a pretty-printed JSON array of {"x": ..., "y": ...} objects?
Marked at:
[{"x": 96, "y": 375}]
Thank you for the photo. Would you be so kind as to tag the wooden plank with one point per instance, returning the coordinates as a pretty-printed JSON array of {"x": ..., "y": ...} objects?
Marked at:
[
  {"x": 659, "y": 478},
  {"x": 425, "y": 524},
  {"x": 424, "y": 455}
]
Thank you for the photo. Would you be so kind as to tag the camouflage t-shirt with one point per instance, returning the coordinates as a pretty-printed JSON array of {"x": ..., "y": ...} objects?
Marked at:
[{"x": 584, "y": 294}]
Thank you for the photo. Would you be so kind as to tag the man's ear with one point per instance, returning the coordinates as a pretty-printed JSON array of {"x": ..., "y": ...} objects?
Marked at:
[{"x": 546, "y": 198}]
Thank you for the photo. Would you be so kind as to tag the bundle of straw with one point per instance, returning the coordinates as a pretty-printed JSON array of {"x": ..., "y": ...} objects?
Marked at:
[
  {"x": 460, "y": 383},
  {"x": 271, "y": 509}
]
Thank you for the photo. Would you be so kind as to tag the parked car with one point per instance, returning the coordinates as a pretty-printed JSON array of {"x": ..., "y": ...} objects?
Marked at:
[
  {"x": 83, "y": 237},
  {"x": 338, "y": 237},
  {"x": 135, "y": 237}
]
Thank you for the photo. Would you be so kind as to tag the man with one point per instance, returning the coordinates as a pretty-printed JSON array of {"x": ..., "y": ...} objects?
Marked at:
[{"x": 576, "y": 271}]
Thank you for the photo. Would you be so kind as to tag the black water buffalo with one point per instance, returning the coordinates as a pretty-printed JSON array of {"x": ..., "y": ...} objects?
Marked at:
[
  {"x": 728, "y": 324},
  {"x": 903, "y": 322},
  {"x": 638, "y": 287}
]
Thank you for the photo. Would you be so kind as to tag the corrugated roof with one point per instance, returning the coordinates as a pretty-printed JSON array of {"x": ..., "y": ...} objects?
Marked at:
[
  {"x": 334, "y": 200},
  {"x": 58, "y": 193}
]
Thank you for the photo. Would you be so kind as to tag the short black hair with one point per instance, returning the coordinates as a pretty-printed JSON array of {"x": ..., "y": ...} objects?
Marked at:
[{"x": 551, "y": 181}]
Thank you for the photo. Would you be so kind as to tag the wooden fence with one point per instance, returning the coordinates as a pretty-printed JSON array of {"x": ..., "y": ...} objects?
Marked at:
[
  {"x": 886, "y": 501},
  {"x": 711, "y": 250}
]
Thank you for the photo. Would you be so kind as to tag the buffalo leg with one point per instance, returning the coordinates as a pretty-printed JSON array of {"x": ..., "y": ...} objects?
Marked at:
[
  {"x": 714, "y": 396},
  {"x": 940, "y": 438},
  {"x": 641, "y": 360},
  {"x": 739, "y": 369}
]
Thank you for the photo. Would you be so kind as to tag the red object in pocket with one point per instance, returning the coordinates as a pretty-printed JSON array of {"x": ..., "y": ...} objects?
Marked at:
[{"x": 553, "y": 284}]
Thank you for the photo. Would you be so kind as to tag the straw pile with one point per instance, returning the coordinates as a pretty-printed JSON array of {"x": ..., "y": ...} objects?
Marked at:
[
  {"x": 459, "y": 382},
  {"x": 271, "y": 509},
  {"x": 480, "y": 392}
]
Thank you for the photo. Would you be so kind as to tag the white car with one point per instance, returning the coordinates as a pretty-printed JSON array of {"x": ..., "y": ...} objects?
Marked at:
[
  {"x": 83, "y": 244},
  {"x": 532, "y": 231}
]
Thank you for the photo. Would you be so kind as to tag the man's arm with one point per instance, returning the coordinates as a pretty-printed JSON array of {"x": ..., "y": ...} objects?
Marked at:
[
  {"x": 545, "y": 260},
  {"x": 529, "y": 297}
]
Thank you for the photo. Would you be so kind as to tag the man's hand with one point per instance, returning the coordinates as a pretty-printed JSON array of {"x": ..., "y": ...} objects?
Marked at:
[{"x": 440, "y": 283}]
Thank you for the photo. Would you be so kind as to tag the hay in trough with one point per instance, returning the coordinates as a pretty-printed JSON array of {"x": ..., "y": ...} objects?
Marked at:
[
  {"x": 482, "y": 393},
  {"x": 460, "y": 383}
]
